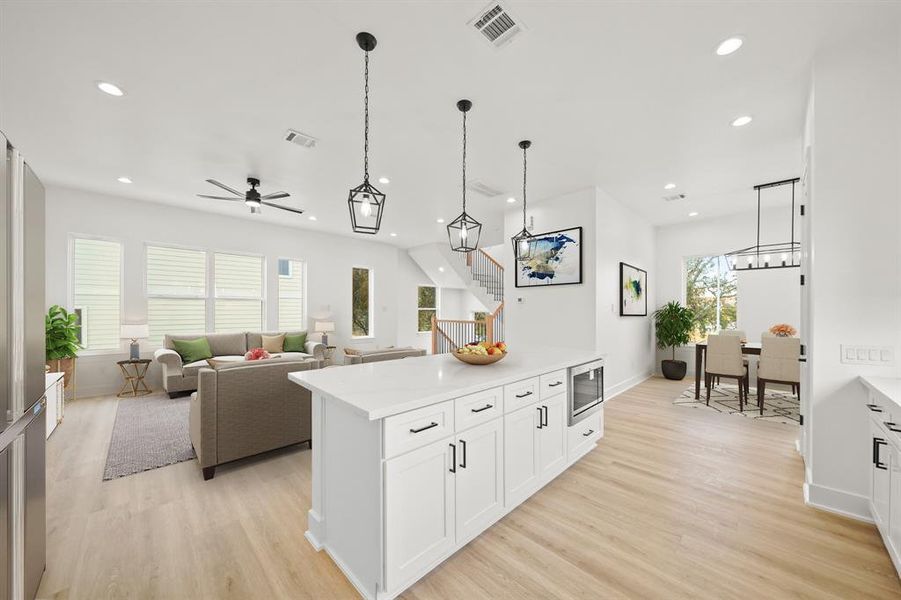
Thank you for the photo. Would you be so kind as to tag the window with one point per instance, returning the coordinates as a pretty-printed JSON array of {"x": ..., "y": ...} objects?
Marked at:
[
  {"x": 711, "y": 292},
  {"x": 427, "y": 305},
  {"x": 481, "y": 329},
  {"x": 96, "y": 291},
  {"x": 238, "y": 280},
  {"x": 176, "y": 291},
  {"x": 361, "y": 302},
  {"x": 291, "y": 291}
]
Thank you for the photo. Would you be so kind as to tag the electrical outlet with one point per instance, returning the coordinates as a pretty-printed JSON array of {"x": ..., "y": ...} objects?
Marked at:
[{"x": 883, "y": 356}]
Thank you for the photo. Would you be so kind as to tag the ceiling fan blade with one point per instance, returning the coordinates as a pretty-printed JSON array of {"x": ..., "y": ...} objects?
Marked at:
[
  {"x": 275, "y": 196},
  {"x": 225, "y": 187},
  {"x": 273, "y": 205},
  {"x": 220, "y": 198}
]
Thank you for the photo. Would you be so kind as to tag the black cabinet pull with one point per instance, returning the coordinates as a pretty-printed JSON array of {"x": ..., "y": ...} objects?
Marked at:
[
  {"x": 545, "y": 415},
  {"x": 891, "y": 426},
  {"x": 874, "y": 407},
  {"x": 421, "y": 429},
  {"x": 463, "y": 447},
  {"x": 876, "y": 443},
  {"x": 453, "y": 468},
  {"x": 478, "y": 410},
  {"x": 540, "y": 420},
  {"x": 555, "y": 384},
  {"x": 587, "y": 433},
  {"x": 523, "y": 395}
]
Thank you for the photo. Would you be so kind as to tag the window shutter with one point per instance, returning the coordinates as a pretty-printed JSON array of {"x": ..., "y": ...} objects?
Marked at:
[
  {"x": 96, "y": 287},
  {"x": 239, "y": 292},
  {"x": 291, "y": 291},
  {"x": 176, "y": 291}
]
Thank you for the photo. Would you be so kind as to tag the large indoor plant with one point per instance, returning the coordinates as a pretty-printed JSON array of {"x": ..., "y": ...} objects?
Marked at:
[
  {"x": 62, "y": 343},
  {"x": 673, "y": 323}
]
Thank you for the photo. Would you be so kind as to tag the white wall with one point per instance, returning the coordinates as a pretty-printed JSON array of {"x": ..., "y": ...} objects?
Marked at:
[
  {"x": 329, "y": 261},
  {"x": 855, "y": 271}
]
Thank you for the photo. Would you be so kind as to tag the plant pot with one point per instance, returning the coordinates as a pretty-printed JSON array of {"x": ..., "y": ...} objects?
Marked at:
[
  {"x": 66, "y": 366},
  {"x": 674, "y": 369}
]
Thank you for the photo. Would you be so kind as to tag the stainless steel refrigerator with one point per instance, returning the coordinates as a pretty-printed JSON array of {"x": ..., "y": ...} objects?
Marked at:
[{"x": 22, "y": 403}]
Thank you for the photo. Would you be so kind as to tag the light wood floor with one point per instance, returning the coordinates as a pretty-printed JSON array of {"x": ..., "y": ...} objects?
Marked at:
[{"x": 673, "y": 503}]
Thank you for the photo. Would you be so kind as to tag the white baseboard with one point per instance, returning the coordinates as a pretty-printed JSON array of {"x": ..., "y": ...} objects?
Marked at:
[
  {"x": 617, "y": 389},
  {"x": 849, "y": 505}
]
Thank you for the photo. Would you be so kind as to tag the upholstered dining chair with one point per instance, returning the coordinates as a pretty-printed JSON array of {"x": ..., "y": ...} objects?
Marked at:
[
  {"x": 778, "y": 364},
  {"x": 724, "y": 359},
  {"x": 741, "y": 335}
]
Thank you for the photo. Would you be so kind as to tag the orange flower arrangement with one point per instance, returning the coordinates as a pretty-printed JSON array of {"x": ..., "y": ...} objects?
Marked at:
[{"x": 783, "y": 330}]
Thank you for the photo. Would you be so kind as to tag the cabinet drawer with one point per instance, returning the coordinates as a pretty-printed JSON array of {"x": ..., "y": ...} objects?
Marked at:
[
  {"x": 584, "y": 434},
  {"x": 416, "y": 428},
  {"x": 880, "y": 409},
  {"x": 478, "y": 408},
  {"x": 552, "y": 384},
  {"x": 519, "y": 394}
]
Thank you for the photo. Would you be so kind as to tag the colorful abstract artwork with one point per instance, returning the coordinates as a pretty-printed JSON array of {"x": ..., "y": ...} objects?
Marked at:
[
  {"x": 556, "y": 259},
  {"x": 633, "y": 284}
]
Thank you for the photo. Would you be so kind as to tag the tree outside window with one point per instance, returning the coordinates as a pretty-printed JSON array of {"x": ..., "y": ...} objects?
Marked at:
[
  {"x": 481, "y": 327},
  {"x": 711, "y": 292},
  {"x": 361, "y": 311},
  {"x": 427, "y": 306}
]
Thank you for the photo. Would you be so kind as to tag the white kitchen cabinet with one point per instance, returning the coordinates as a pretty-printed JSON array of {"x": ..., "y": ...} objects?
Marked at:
[
  {"x": 552, "y": 438},
  {"x": 419, "y": 511},
  {"x": 894, "y": 524},
  {"x": 880, "y": 490},
  {"x": 479, "y": 478},
  {"x": 521, "y": 470}
]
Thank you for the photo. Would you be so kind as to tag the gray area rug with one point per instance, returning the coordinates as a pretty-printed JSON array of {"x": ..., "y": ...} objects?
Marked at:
[
  {"x": 150, "y": 432},
  {"x": 778, "y": 406}
]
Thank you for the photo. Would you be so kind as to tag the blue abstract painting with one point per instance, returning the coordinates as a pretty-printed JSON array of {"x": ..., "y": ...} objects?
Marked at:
[{"x": 555, "y": 259}]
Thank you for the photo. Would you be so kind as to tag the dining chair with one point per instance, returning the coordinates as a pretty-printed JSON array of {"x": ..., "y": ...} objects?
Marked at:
[
  {"x": 740, "y": 335},
  {"x": 724, "y": 359},
  {"x": 778, "y": 364}
]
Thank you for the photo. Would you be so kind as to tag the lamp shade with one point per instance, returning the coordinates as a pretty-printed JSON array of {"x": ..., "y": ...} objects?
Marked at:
[
  {"x": 134, "y": 331},
  {"x": 325, "y": 326}
]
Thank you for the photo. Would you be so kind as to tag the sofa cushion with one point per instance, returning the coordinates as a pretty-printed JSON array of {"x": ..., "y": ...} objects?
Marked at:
[
  {"x": 221, "y": 344},
  {"x": 190, "y": 369},
  {"x": 273, "y": 343},
  {"x": 255, "y": 338},
  {"x": 219, "y": 361},
  {"x": 370, "y": 352},
  {"x": 295, "y": 343},
  {"x": 193, "y": 350},
  {"x": 292, "y": 355}
]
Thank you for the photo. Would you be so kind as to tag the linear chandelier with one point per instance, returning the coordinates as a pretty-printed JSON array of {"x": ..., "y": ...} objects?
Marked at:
[{"x": 781, "y": 255}]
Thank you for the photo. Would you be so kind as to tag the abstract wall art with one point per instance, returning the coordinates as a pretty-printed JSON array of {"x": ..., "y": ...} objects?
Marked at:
[
  {"x": 556, "y": 259},
  {"x": 633, "y": 284}
]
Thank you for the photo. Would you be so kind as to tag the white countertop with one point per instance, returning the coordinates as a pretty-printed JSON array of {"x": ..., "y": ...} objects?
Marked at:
[
  {"x": 381, "y": 389},
  {"x": 890, "y": 387}
]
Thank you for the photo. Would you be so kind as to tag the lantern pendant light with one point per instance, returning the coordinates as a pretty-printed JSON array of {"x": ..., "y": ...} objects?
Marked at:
[
  {"x": 365, "y": 202},
  {"x": 464, "y": 231},
  {"x": 523, "y": 247}
]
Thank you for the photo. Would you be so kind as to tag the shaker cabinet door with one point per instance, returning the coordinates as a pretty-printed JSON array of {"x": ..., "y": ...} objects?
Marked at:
[
  {"x": 419, "y": 511},
  {"x": 552, "y": 438},
  {"x": 520, "y": 454},
  {"x": 480, "y": 478},
  {"x": 880, "y": 481}
]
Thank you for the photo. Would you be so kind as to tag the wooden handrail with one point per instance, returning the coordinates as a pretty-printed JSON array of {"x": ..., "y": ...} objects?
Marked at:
[
  {"x": 499, "y": 308},
  {"x": 491, "y": 258}
]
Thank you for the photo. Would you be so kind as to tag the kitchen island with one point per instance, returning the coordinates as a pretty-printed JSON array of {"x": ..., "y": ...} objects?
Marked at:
[{"x": 414, "y": 458}]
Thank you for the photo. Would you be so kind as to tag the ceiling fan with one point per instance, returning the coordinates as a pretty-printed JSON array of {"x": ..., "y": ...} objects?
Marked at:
[{"x": 252, "y": 197}]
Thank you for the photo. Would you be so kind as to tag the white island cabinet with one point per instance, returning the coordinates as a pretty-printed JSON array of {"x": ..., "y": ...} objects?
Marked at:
[{"x": 414, "y": 458}]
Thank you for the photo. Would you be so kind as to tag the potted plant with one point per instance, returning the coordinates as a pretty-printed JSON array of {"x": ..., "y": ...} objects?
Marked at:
[
  {"x": 62, "y": 343},
  {"x": 673, "y": 323}
]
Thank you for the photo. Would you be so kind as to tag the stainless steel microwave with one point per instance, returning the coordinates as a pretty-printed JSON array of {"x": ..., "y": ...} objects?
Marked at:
[{"x": 586, "y": 390}]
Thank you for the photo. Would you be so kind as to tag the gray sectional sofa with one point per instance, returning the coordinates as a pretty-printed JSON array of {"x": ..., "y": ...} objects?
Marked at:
[
  {"x": 179, "y": 377},
  {"x": 359, "y": 357}
]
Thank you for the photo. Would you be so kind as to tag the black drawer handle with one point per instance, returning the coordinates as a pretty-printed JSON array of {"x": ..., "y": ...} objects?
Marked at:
[
  {"x": 545, "y": 415},
  {"x": 891, "y": 426},
  {"x": 478, "y": 410},
  {"x": 876, "y": 443},
  {"x": 421, "y": 429},
  {"x": 874, "y": 407},
  {"x": 463, "y": 446},
  {"x": 453, "y": 467},
  {"x": 555, "y": 384},
  {"x": 587, "y": 433},
  {"x": 523, "y": 395}
]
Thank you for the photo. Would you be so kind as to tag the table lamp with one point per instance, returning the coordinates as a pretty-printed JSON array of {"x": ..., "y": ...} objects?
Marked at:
[
  {"x": 134, "y": 332},
  {"x": 324, "y": 327}
]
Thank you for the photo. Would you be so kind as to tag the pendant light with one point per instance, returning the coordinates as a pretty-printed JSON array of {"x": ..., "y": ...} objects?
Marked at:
[
  {"x": 781, "y": 255},
  {"x": 365, "y": 202},
  {"x": 522, "y": 242},
  {"x": 464, "y": 231}
]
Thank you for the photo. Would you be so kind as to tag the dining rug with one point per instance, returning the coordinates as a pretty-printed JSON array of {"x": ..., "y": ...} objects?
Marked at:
[
  {"x": 778, "y": 406},
  {"x": 150, "y": 432}
]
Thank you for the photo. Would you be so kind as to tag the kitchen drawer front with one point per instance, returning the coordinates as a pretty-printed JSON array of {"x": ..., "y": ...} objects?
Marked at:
[
  {"x": 880, "y": 408},
  {"x": 519, "y": 394},
  {"x": 584, "y": 434},
  {"x": 478, "y": 408},
  {"x": 416, "y": 428},
  {"x": 552, "y": 384}
]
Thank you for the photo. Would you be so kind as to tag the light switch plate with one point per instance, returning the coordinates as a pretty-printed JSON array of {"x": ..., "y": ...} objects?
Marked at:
[{"x": 883, "y": 356}]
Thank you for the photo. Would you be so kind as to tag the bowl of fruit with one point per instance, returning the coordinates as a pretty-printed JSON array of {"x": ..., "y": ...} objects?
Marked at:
[{"x": 481, "y": 353}]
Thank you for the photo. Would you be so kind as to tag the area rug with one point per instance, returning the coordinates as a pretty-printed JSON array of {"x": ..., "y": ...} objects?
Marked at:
[
  {"x": 150, "y": 432},
  {"x": 778, "y": 406}
]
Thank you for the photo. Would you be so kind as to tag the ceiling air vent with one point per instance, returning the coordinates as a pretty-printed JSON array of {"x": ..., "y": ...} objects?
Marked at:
[
  {"x": 301, "y": 139},
  {"x": 483, "y": 188},
  {"x": 496, "y": 24},
  {"x": 674, "y": 197}
]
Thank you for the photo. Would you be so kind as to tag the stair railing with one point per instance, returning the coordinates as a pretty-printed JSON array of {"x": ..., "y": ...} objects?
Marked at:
[{"x": 450, "y": 334}]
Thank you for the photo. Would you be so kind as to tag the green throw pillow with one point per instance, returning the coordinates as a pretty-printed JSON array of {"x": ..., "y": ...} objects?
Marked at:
[
  {"x": 296, "y": 343},
  {"x": 193, "y": 350}
]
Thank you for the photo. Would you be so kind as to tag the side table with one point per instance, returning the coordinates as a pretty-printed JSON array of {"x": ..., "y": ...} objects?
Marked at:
[
  {"x": 329, "y": 351},
  {"x": 133, "y": 372}
]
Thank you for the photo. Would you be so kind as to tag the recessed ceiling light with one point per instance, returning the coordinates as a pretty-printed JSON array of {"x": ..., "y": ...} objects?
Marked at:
[
  {"x": 124, "y": 180},
  {"x": 511, "y": 199},
  {"x": 669, "y": 186},
  {"x": 729, "y": 46},
  {"x": 110, "y": 88},
  {"x": 439, "y": 220},
  {"x": 741, "y": 121},
  {"x": 384, "y": 180},
  {"x": 693, "y": 214},
  {"x": 312, "y": 217},
  {"x": 393, "y": 234},
  {"x": 441, "y": 269}
]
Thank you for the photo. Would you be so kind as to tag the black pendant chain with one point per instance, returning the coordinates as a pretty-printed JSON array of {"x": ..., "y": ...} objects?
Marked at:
[
  {"x": 524, "y": 167},
  {"x": 464, "y": 162},
  {"x": 366, "y": 120}
]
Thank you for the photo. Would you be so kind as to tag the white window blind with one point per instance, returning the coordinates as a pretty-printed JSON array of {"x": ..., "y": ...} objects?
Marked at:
[
  {"x": 292, "y": 288},
  {"x": 238, "y": 281},
  {"x": 96, "y": 290},
  {"x": 176, "y": 291}
]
